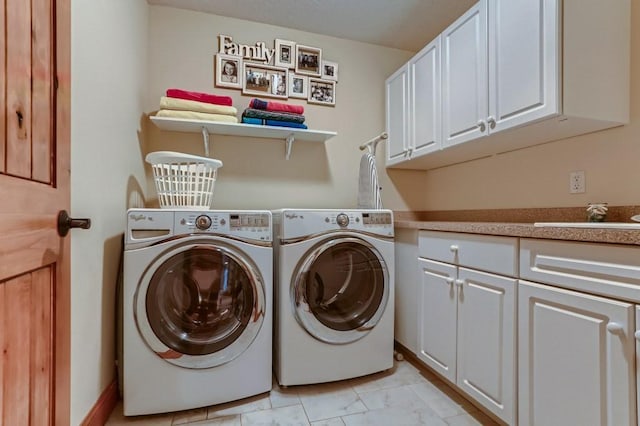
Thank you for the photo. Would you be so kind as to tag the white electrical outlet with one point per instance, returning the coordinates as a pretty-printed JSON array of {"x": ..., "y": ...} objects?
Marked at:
[{"x": 576, "y": 182}]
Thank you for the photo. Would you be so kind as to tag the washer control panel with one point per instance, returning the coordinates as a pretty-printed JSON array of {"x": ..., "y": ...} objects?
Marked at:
[{"x": 253, "y": 225}]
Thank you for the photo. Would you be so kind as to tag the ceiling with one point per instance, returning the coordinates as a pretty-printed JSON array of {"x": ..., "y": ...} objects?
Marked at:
[{"x": 401, "y": 24}]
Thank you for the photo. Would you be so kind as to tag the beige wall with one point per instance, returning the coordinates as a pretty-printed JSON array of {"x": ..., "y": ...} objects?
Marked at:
[
  {"x": 108, "y": 51},
  {"x": 255, "y": 173},
  {"x": 539, "y": 176}
]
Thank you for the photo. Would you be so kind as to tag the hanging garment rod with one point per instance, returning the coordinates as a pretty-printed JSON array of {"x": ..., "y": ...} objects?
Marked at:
[{"x": 373, "y": 143}]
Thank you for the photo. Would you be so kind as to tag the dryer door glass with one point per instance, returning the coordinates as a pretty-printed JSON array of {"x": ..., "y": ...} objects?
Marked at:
[
  {"x": 341, "y": 290},
  {"x": 200, "y": 301}
]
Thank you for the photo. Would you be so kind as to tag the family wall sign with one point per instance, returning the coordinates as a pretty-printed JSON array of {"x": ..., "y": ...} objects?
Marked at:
[
  {"x": 258, "y": 52},
  {"x": 289, "y": 70}
]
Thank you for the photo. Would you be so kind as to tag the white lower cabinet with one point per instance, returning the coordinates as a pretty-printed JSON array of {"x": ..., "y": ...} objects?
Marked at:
[
  {"x": 466, "y": 328},
  {"x": 576, "y": 358},
  {"x": 576, "y": 346}
]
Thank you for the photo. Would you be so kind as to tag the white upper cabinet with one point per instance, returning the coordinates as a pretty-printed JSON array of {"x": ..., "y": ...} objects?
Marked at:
[
  {"x": 425, "y": 100},
  {"x": 523, "y": 62},
  {"x": 413, "y": 110},
  {"x": 464, "y": 77},
  {"x": 517, "y": 73},
  {"x": 397, "y": 118}
]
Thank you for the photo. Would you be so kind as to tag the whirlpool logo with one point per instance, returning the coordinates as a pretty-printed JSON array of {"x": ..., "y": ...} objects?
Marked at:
[
  {"x": 293, "y": 216},
  {"x": 139, "y": 217}
]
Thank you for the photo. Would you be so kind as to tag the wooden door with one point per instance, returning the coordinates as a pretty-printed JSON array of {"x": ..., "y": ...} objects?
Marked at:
[
  {"x": 437, "y": 325},
  {"x": 464, "y": 77},
  {"x": 487, "y": 340},
  {"x": 396, "y": 107},
  {"x": 34, "y": 186},
  {"x": 575, "y": 358}
]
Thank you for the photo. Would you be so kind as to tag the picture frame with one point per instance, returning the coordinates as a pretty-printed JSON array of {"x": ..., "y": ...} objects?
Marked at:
[
  {"x": 308, "y": 60},
  {"x": 265, "y": 80},
  {"x": 285, "y": 54},
  {"x": 228, "y": 71},
  {"x": 298, "y": 86},
  {"x": 322, "y": 92},
  {"x": 329, "y": 70}
]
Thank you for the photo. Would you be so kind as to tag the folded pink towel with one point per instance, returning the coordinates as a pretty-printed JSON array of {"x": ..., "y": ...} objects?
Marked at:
[
  {"x": 200, "y": 97},
  {"x": 276, "y": 106}
]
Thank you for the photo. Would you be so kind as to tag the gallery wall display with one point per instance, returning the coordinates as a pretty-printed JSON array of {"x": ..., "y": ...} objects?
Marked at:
[{"x": 288, "y": 70}]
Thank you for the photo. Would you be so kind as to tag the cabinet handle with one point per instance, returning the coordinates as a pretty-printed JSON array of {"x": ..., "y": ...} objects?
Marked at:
[
  {"x": 482, "y": 125},
  {"x": 459, "y": 282},
  {"x": 614, "y": 327},
  {"x": 410, "y": 151},
  {"x": 453, "y": 248},
  {"x": 492, "y": 122},
  {"x": 450, "y": 281},
  {"x": 637, "y": 335}
]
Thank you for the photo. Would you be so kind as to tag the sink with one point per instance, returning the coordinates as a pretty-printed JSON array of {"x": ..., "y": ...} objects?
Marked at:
[{"x": 594, "y": 225}]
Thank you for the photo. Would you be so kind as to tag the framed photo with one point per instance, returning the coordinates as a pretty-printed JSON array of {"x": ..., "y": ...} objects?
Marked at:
[
  {"x": 322, "y": 92},
  {"x": 285, "y": 53},
  {"x": 228, "y": 69},
  {"x": 264, "y": 80},
  {"x": 298, "y": 86},
  {"x": 330, "y": 70},
  {"x": 308, "y": 60}
]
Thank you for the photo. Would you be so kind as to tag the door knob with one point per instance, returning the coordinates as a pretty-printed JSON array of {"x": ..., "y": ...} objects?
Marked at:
[{"x": 65, "y": 223}]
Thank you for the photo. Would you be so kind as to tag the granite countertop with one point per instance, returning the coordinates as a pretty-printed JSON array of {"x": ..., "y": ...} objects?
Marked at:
[
  {"x": 520, "y": 223},
  {"x": 528, "y": 230}
]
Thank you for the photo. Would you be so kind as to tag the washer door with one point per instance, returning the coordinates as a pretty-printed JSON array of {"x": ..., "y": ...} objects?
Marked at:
[
  {"x": 200, "y": 305},
  {"x": 340, "y": 290}
]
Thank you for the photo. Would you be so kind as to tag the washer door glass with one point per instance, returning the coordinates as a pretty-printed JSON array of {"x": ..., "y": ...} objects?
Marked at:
[
  {"x": 341, "y": 290},
  {"x": 204, "y": 305}
]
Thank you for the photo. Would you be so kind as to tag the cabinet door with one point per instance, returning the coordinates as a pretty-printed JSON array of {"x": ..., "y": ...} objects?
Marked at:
[
  {"x": 486, "y": 340},
  {"x": 524, "y": 65},
  {"x": 576, "y": 358},
  {"x": 437, "y": 319},
  {"x": 464, "y": 77},
  {"x": 397, "y": 110},
  {"x": 425, "y": 111}
]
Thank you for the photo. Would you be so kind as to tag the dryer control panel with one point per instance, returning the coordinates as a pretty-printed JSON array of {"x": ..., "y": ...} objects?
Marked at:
[{"x": 301, "y": 222}]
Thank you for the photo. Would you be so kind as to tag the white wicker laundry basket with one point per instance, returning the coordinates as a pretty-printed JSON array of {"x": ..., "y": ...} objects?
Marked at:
[{"x": 183, "y": 180}]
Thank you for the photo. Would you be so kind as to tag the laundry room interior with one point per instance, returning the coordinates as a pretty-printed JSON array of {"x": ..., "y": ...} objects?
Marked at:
[{"x": 126, "y": 54}]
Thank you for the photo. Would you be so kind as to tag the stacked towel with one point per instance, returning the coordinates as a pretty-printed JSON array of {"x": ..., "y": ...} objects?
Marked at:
[
  {"x": 199, "y": 106},
  {"x": 271, "y": 113}
]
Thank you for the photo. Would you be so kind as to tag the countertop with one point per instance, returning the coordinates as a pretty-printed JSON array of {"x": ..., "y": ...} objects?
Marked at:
[{"x": 527, "y": 230}]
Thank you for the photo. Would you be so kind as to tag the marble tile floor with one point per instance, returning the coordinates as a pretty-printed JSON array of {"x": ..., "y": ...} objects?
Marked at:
[{"x": 403, "y": 395}]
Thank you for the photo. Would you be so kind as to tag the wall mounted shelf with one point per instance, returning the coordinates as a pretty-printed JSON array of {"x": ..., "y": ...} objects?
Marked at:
[{"x": 289, "y": 135}]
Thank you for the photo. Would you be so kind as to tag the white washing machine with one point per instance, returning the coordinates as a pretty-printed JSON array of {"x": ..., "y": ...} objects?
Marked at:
[
  {"x": 334, "y": 291},
  {"x": 196, "y": 308}
]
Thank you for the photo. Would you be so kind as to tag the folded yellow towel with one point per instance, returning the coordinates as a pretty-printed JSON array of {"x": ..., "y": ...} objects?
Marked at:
[
  {"x": 192, "y": 115},
  {"x": 185, "y": 105}
]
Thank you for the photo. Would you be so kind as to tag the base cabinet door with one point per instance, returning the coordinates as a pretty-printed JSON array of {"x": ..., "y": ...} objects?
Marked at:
[
  {"x": 486, "y": 340},
  {"x": 437, "y": 317},
  {"x": 467, "y": 332},
  {"x": 576, "y": 358}
]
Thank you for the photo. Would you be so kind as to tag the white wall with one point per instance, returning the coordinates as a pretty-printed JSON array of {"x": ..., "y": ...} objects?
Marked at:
[
  {"x": 539, "y": 176},
  {"x": 255, "y": 173},
  {"x": 108, "y": 68}
]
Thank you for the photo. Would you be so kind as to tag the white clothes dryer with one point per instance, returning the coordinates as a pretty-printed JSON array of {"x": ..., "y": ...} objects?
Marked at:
[
  {"x": 196, "y": 308},
  {"x": 334, "y": 287}
]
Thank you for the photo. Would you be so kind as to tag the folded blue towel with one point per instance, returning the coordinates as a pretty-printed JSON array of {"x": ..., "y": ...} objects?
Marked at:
[{"x": 278, "y": 123}]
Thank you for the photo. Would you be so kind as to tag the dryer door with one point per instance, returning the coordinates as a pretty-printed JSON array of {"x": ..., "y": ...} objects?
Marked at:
[
  {"x": 200, "y": 304},
  {"x": 340, "y": 290}
]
